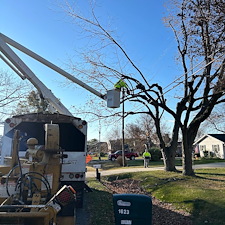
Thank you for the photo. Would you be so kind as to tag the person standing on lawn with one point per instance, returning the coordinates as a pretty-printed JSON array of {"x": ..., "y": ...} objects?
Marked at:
[{"x": 147, "y": 156}]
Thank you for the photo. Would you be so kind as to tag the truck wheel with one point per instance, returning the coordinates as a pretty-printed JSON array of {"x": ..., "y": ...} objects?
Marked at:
[
  {"x": 113, "y": 159},
  {"x": 132, "y": 157}
]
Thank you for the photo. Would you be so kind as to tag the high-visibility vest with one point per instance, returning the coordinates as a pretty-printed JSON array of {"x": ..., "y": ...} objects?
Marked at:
[
  {"x": 120, "y": 84},
  {"x": 146, "y": 154}
]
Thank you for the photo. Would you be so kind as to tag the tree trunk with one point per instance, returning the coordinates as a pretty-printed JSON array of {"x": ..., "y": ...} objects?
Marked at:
[
  {"x": 187, "y": 163},
  {"x": 169, "y": 150},
  {"x": 187, "y": 149},
  {"x": 168, "y": 154}
]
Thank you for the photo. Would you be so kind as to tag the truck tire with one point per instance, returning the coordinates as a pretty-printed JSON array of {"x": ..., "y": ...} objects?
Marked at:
[
  {"x": 113, "y": 158},
  {"x": 132, "y": 157}
]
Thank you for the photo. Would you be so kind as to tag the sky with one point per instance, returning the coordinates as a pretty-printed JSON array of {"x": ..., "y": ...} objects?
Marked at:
[{"x": 43, "y": 27}]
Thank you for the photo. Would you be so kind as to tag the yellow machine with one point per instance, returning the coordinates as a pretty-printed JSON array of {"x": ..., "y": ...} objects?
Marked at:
[{"x": 35, "y": 193}]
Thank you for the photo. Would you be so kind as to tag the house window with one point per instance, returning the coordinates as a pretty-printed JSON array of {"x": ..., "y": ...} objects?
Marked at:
[
  {"x": 215, "y": 148},
  {"x": 203, "y": 148}
]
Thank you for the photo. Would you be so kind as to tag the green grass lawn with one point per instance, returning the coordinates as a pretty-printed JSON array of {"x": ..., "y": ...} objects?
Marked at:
[
  {"x": 203, "y": 196},
  {"x": 99, "y": 204}
]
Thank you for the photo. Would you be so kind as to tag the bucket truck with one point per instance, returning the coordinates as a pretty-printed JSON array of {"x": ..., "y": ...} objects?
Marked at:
[{"x": 43, "y": 154}]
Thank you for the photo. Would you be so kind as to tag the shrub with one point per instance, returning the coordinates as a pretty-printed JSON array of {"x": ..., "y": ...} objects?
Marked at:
[
  {"x": 119, "y": 160},
  {"x": 156, "y": 154},
  {"x": 102, "y": 154}
]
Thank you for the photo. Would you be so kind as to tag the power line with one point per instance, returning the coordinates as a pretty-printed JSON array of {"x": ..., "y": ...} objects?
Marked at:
[
  {"x": 189, "y": 76},
  {"x": 185, "y": 78},
  {"x": 182, "y": 75},
  {"x": 192, "y": 69},
  {"x": 174, "y": 82}
]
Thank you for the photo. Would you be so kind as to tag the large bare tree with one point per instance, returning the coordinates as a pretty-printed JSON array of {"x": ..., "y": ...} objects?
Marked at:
[
  {"x": 200, "y": 33},
  {"x": 216, "y": 120},
  {"x": 11, "y": 92},
  {"x": 31, "y": 103},
  {"x": 199, "y": 30}
]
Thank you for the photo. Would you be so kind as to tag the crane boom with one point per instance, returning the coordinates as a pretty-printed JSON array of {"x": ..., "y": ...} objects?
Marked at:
[
  {"x": 49, "y": 64},
  {"x": 26, "y": 72},
  {"x": 16, "y": 63}
]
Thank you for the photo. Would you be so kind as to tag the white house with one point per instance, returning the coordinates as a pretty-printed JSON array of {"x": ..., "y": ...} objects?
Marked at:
[{"x": 211, "y": 145}]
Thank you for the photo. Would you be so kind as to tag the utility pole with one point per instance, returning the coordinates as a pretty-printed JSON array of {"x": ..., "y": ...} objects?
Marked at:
[
  {"x": 99, "y": 141},
  {"x": 123, "y": 141}
]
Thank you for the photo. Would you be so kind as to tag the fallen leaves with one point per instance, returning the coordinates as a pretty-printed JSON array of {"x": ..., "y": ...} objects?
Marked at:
[{"x": 162, "y": 213}]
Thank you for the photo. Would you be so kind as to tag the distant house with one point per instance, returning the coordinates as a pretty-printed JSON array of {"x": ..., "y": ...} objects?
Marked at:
[
  {"x": 136, "y": 145},
  {"x": 97, "y": 147},
  {"x": 114, "y": 145},
  {"x": 211, "y": 145}
]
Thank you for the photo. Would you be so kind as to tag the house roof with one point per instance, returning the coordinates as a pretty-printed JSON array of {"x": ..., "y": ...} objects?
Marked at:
[{"x": 220, "y": 137}]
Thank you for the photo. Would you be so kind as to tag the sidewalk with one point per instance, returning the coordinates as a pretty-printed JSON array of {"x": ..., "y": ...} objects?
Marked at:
[
  {"x": 139, "y": 169},
  {"x": 209, "y": 165}
]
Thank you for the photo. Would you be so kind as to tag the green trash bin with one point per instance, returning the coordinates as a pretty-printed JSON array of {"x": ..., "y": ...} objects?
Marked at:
[{"x": 132, "y": 209}]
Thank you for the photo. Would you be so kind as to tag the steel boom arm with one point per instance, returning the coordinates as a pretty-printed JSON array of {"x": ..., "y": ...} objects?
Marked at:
[
  {"x": 24, "y": 71},
  {"x": 10, "y": 57}
]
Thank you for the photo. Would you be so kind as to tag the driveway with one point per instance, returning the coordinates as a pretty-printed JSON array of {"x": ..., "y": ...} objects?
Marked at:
[{"x": 139, "y": 169}]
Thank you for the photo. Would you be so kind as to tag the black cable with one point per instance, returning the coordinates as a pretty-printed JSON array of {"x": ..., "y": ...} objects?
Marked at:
[
  {"x": 7, "y": 179},
  {"x": 28, "y": 176},
  {"x": 21, "y": 181},
  {"x": 40, "y": 179},
  {"x": 18, "y": 157}
]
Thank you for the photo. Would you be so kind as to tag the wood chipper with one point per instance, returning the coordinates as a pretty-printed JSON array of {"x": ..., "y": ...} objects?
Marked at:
[{"x": 33, "y": 187}]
